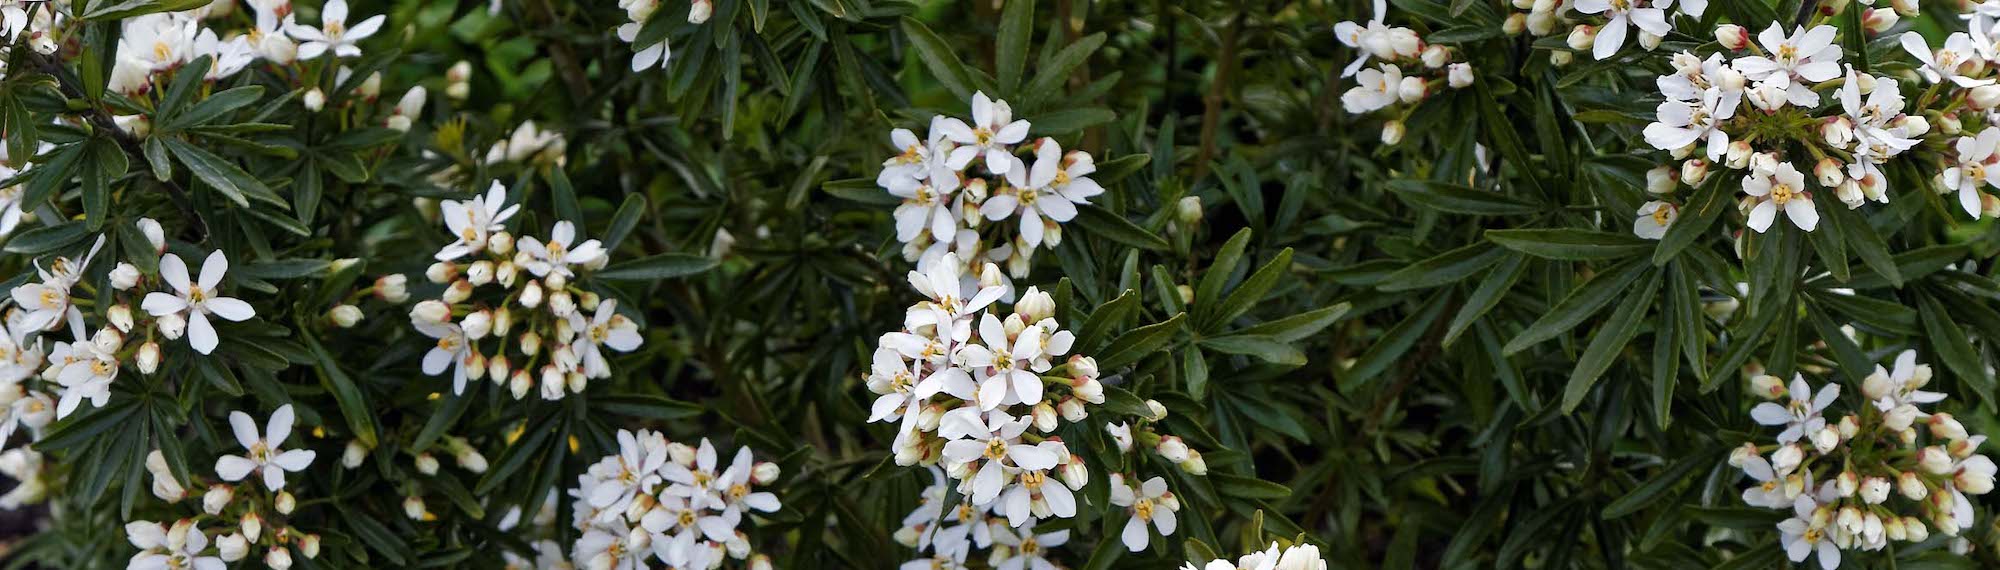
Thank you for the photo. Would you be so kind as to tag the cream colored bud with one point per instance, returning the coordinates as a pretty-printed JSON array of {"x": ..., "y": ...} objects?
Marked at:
[
  {"x": 392, "y": 288},
  {"x": 345, "y": 316},
  {"x": 1582, "y": 36},
  {"x": 531, "y": 295},
  {"x": 764, "y": 473},
  {"x": 232, "y": 547},
  {"x": 441, "y": 272},
  {"x": 426, "y": 464},
  {"x": 278, "y": 558},
  {"x": 1732, "y": 36},
  {"x": 124, "y": 276},
  {"x": 431, "y": 312},
  {"x": 217, "y": 498},
  {"x": 458, "y": 292},
  {"x": 252, "y": 525},
  {"x": 1392, "y": 132},
  {"x": 1460, "y": 76},
  {"x": 314, "y": 100},
  {"x": 285, "y": 503},
  {"x": 413, "y": 507},
  {"x": 354, "y": 454}
]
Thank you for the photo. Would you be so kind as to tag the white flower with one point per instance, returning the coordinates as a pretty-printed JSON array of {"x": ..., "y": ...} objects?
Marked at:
[
  {"x": 1797, "y": 61},
  {"x": 88, "y": 367},
  {"x": 1944, "y": 64},
  {"x": 692, "y": 481},
  {"x": 1692, "y": 8},
  {"x": 230, "y": 56},
  {"x": 1801, "y": 415},
  {"x": 995, "y": 442},
  {"x": 1782, "y": 187},
  {"x": 1622, "y": 13},
  {"x": 1654, "y": 219},
  {"x": 1050, "y": 189},
  {"x": 333, "y": 35},
  {"x": 162, "y": 548},
  {"x": 734, "y": 486},
  {"x": 1807, "y": 531},
  {"x": 1147, "y": 506},
  {"x": 560, "y": 252},
  {"x": 452, "y": 349},
  {"x": 46, "y": 302},
  {"x": 992, "y": 132},
  {"x": 921, "y": 160},
  {"x": 268, "y": 37},
  {"x": 606, "y": 328},
  {"x": 198, "y": 299},
  {"x": 636, "y": 469},
  {"x": 1684, "y": 122},
  {"x": 1900, "y": 386},
  {"x": 473, "y": 221},
  {"x": 264, "y": 453},
  {"x": 1972, "y": 169},
  {"x": 1373, "y": 89},
  {"x": 1369, "y": 39},
  {"x": 19, "y": 359},
  {"x": 657, "y": 54},
  {"x": 1006, "y": 365},
  {"x": 1027, "y": 548}
]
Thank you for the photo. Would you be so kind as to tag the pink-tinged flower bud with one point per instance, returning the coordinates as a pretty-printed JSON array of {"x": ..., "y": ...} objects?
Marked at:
[
  {"x": 1946, "y": 427},
  {"x": 1837, "y": 131},
  {"x": 1543, "y": 23},
  {"x": 1459, "y": 76},
  {"x": 1435, "y": 56},
  {"x": 1072, "y": 410},
  {"x": 1879, "y": 20},
  {"x": 1158, "y": 411},
  {"x": 1172, "y": 449},
  {"x": 1900, "y": 418},
  {"x": 764, "y": 473},
  {"x": 1906, "y": 8},
  {"x": 1874, "y": 490},
  {"x": 1662, "y": 180},
  {"x": 1934, "y": 460},
  {"x": 1075, "y": 474},
  {"x": 441, "y": 272},
  {"x": 1847, "y": 483},
  {"x": 700, "y": 11},
  {"x": 1732, "y": 36},
  {"x": 252, "y": 525},
  {"x": 431, "y": 312},
  {"x": 278, "y": 558},
  {"x": 1195, "y": 465},
  {"x": 217, "y": 498},
  {"x": 1738, "y": 155},
  {"x": 155, "y": 235},
  {"x": 392, "y": 288},
  {"x": 1983, "y": 97},
  {"x": 1694, "y": 171},
  {"x": 1913, "y": 125},
  {"x": 1743, "y": 454},
  {"x": 413, "y": 507},
  {"x": 1830, "y": 172},
  {"x": 1915, "y": 530},
  {"x": 1848, "y": 427},
  {"x": 1582, "y": 36},
  {"x": 1973, "y": 481},
  {"x": 1515, "y": 24},
  {"x": 519, "y": 384},
  {"x": 1044, "y": 416},
  {"x": 1767, "y": 386},
  {"x": 426, "y": 464},
  {"x": 477, "y": 324},
  {"x": 1392, "y": 132},
  {"x": 1826, "y": 440},
  {"x": 531, "y": 295},
  {"x": 1788, "y": 457},
  {"x": 309, "y": 545},
  {"x": 458, "y": 292},
  {"x": 314, "y": 100},
  {"x": 1412, "y": 90}
]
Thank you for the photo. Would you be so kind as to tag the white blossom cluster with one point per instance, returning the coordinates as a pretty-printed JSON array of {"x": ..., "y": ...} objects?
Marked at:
[
  {"x": 1295, "y": 557},
  {"x": 1388, "y": 83},
  {"x": 519, "y": 296},
  {"x": 979, "y": 395},
  {"x": 951, "y": 539},
  {"x": 947, "y": 204},
  {"x": 1652, "y": 18},
  {"x": 154, "y": 43},
  {"x": 666, "y": 501},
  {"x": 638, "y": 12},
  {"x": 1886, "y": 471},
  {"x": 244, "y": 519}
]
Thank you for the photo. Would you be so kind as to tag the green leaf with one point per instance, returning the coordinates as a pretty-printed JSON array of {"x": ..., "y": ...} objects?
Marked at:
[
  {"x": 1011, "y": 54},
  {"x": 1393, "y": 344},
  {"x": 1581, "y": 303},
  {"x": 1222, "y": 268},
  {"x": 939, "y": 57},
  {"x": 1444, "y": 268},
  {"x": 662, "y": 266},
  {"x": 1456, "y": 199},
  {"x": 122, "y": 9},
  {"x": 1703, "y": 208},
  {"x": 1266, "y": 348},
  {"x": 223, "y": 175},
  {"x": 646, "y": 407},
  {"x": 564, "y": 196},
  {"x": 353, "y": 404},
  {"x": 1570, "y": 244},
  {"x": 1138, "y": 343},
  {"x": 1297, "y": 327},
  {"x": 1049, "y": 75},
  {"x": 213, "y": 107},
  {"x": 1102, "y": 223},
  {"x": 47, "y": 238},
  {"x": 1248, "y": 487},
  {"x": 1248, "y": 294},
  {"x": 1656, "y": 489},
  {"x": 1954, "y": 348},
  {"x": 1609, "y": 340},
  {"x": 1487, "y": 295},
  {"x": 623, "y": 222}
]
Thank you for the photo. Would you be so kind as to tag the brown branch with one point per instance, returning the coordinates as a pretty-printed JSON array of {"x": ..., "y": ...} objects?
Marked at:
[
  {"x": 1211, "y": 115},
  {"x": 102, "y": 121}
]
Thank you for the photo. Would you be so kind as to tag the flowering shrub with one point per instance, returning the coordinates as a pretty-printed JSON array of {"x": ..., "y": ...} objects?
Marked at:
[{"x": 1255, "y": 285}]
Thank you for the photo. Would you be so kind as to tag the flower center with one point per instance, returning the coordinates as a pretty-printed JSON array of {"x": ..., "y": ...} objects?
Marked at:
[
  {"x": 1033, "y": 480},
  {"x": 995, "y": 449},
  {"x": 982, "y": 136},
  {"x": 260, "y": 453},
  {"x": 1662, "y": 215},
  {"x": 196, "y": 295},
  {"x": 52, "y": 299},
  {"x": 1975, "y": 171},
  {"x": 1782, "y": 193},
  {"x": 1030, "y": 546},
  {"x": 738, "y": 491},
  {"x": 162, "y": 51},
  {"x": 687, "y": 519},
  {"x": 1062, "y": 177},
  {"x": 103, "y": 367},
  {"x": 1143, "y": 509},
  {"x": 335, "y": 29}
]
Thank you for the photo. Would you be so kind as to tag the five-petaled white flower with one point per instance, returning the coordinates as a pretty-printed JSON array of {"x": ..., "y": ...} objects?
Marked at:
[
  {"x": 995, "y": 442},
  {"x": 164, "y": 548},
  {"x": 198, "y": 299},
  {"x": 1684, "y": 122},
  {"x": 1654, "y": 219},
  {"x": 1623, "y": 14},
  {"x": 1027, "y": 549},
  {"x": 452, "y": 349},
  {"x": 1369, "y": 38},
  {"x": 1973, "y": 168},
  {"x": 1782, "y": 187},
  {"x": 1373, "y": 89},
  {"x": 333, "y": 35},
  {"x": 1808, "y": 531},
  {"x": 560, "y": 252},
  {"x": 1945, "y": 63},
  {"x": 1796, "y": 62},
  {"x": 47, "y": 302},
  {"x": 1801, "y": 415},
  {"x": 473, "y": 221},
  {"x": 606, "y": 328},
  {"x": 264, "y": 452},
  {"x": 1150, "y": 503},
  {"x": 992, "y": 132}
]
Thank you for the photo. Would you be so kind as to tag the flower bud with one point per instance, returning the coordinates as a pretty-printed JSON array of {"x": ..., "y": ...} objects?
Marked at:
[
  {"x": 1542, "y": 23},
  {"x": 309, "y": 545},
  {"x": 165, "y": 486},
  {"x": 233, "y": 547},
  {"x": 1392, "y": 132},
  {"x": 1195, "y": 465},
  {"x": 217, "y": 498},
  {"x": 354, "y": 454},
  {"x": 1459, "y": 76},
  {"x": 1847, "y": 483},
  {"x": 1830, "y": 172},
  {"x": 392, "y": 288},
  {"x": 1837, "y": 132},
  {"x": 458, "y": 292},
  {"x": 1075, "y": 474},
  {"x": 1905, "y": 8},
  {"x": 1738, "y": 155},
  {"x": 1879, "y": 20},
  {"x": 1874, "y": 490},
  {"x": 413, "y": 507},
  {"x": 1732, "y": 36},
  {"x": 1694, "y": 171},
  {"x": 344, "y": 316},
  {"x": 1825, "y": 440},
  {"x": 1172, "y": 449},
  {"x": 531, "y": 295},
  {"x": 314, "y": 100},
  {"x": 470, "y": 459},
  {"x": 155, "y": 235},
  {"x": 764, "y": 473},
  {"x": 1515, "y": 24},
  {"x": 1412, "y": 90},
  {"x": 561, "y": 303},
  {"x": 431, "y": 311},
  {"x": 1157, "y": 410},
  {"x": 1913, "y": 125},
  {"x": 1044, "y": 416},
  {"x": 278, "y": 558},
  {"x": 426, "y": 464},
  {"x": 1934, "y": 460},
  {"x": 124, "y": 276},
  {"x": 285, "y": 503},
  {"x": 1582, "y": 36},
  {"x": 1661, "y": 180},
  {"x": 252, "y": 525},
  {"x": 1072, "y": 410},
  {"x": 477, "y": 324},
  {"x": 519, "y": 383},
  {"x": 1788, "y": 457},
  {"x": 1944, "y": 426}
]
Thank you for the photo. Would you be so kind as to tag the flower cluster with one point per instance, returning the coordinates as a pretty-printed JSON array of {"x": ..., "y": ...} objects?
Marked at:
[
  {"x": 1887, "y": 471},
  {"x": 1295, "y": 557},
  {"x": 1651, "y": 17},
  {"x": 561, "y": 333},
  {"x": 244, "y": 511},
  {"x": 1387, "y": 84},
  {"x": 155, "y": 43},
  {"x": 665, "y": 500},
  {"x": 946, "y": 204}
]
